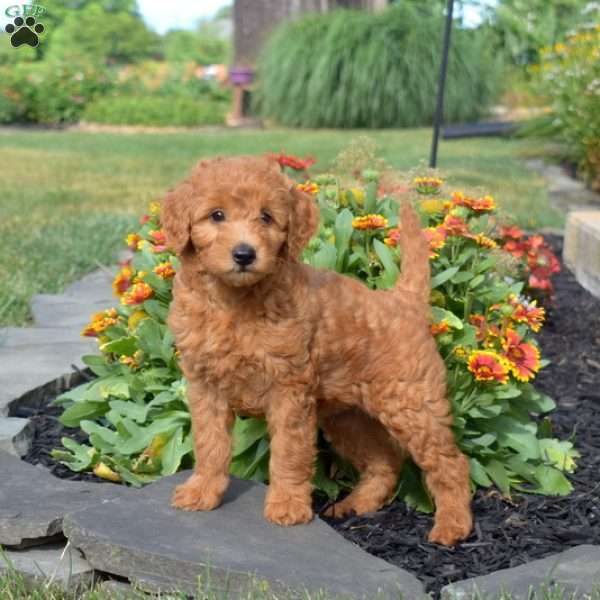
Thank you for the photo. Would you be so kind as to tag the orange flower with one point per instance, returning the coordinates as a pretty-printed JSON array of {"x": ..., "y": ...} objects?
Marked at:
[
  {"x": 436, "y": 236},
  {"x": 370, "y": 222},
  {"x": 393, "y": 238},
  {"x": 428, "y": 185},
  {"x": 454, "y": 225},
  {"x": 158, "y": 237},
  {"x": 527, "y": 312},
  {"x": 523, "y": 358},
  {"x": 122, "y": 280},
  {"x": 164, "y": 270},
  {"x": 488, "y": 366},
  {"x": 485, "y": 241},
  {"x": 487, "y": 203},
  {"x": 100, "y": 321},
  {"x": 439, "y": 328},
  {"x": 513, "y": 232},
  {"x": 132, "y": 241},
  {"x": 139, "y": 293},
  {"x": 310, "y": 187}
]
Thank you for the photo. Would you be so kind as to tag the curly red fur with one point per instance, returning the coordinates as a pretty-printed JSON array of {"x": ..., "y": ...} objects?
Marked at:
[{"x": 304, "y": 347}]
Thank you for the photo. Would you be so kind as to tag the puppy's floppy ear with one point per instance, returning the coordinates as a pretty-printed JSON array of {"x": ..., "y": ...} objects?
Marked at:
[
  {"x": 175, "y": 217},
  {"x": 303, "y": 223}
]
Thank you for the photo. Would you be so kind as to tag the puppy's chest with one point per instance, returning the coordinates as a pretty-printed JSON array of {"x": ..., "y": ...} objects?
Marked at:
[{"x": 246, "y": 358}]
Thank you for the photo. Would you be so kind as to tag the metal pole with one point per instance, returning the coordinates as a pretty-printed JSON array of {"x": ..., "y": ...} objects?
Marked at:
[{"x": 439, "y": 109}]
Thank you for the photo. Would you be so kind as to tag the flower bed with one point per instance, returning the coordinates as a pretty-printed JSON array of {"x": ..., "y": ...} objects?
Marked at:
[{"x": 136, "y": 415}]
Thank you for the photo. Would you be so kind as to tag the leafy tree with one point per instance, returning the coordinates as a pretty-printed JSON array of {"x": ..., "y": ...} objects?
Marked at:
[
  {"x": 205, "y": 45},
  {"x": 524, "y": 26},
  {"x": 104, "y": 36}
]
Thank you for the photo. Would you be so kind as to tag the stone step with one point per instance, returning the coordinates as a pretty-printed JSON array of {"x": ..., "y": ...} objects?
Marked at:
[
  {"x": 143, "y": 538},
  {"x": 33, "y": 502},
  {"x": 581, "y": 251},
  {"x": 15, "y": 435},
  {"x": 32, "y": 357},
  {"x": 92, "y": 287},
  {"x": 66, "y": 311},
  {"x": 575, "y": 571},
  {"x": 58, "y": 564}
]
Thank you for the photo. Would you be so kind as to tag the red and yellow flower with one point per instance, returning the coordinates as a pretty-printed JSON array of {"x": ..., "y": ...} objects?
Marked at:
[
  {"x": 370, "y": 222},
  {"x": 484, "y": 241},
  {"x": 523, "y": 358},
  {"x": 436, "y": 237},
  {"x": 439, "y": 328},
  {"x": 486, "y": 365},
  {"x": 428, "y": 185},
  {"x": 293, "y": 162},
  {"x": 393, "y": 237},
  {"x": 101, "y": 321},
  {"x": 132, "y": 240},
  {"x": 527, "y": 312},
  {"x": 310, "y": 187},
  {"x": 137, "y": 294},
  {"x": 123, "y": 279},
  {"x": 165, "y": 270},
  {"x": 484, "y": 204}
]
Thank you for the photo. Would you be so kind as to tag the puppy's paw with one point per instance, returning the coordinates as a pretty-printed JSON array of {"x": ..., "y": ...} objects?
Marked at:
[
  {"x": 352, "y": 504},
  {"x": 198, "y": 493},
  {"x": 449, "y": 532},
  {"x": 287, "y": 509}
]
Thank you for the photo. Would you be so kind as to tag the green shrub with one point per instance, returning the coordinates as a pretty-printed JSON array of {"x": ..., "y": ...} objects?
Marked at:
[
  {"x": 351, "y": 69},
  {"x": 569, "y": 76},
  {"x": 154, "y": 110},
  {"x": 136, "y": 413},
  {"x": 49, "y": 92}
]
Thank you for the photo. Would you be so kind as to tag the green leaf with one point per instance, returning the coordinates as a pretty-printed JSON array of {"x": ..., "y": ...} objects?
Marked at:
[
  {"x": 508, "y": 391},
  {"x": 157, "y": 310},
  {"x": 324, "y": 483},
  {"x": 150, "y": 336},
  {"x": 82, "y": 456},
  {"x": 412, "y": 488},
  {"x": 97, "y": 364},
  {"x": 499, "y": 476},
  {"x": 462, "y": 277},
  {"x": 77, "y": 394},
  {"x": 173, "y": 452},
  {"x": 477, "y": 280},
  {"x": 247, "y": 432},
  {"x": 325, "y": 257},
  {"x": 73, "y": 415},
  {"x": 343, "y": 232},
  {"x": 389, "y": 264},
  {"x": 371, "y": 197},
  {"x": 552, "y": 482},
  {"x": 478, "y": 474},
  {"x": 137, "y": 412},
  {"x": 443, "y": 277},
  {"x": 559, "y": 454},
  {"x": 124, "y": 345},
  {"x": 441, "y": 314}
]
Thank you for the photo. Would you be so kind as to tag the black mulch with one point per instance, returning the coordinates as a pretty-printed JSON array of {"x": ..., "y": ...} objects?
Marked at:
[{"x": 506, "y": 534}]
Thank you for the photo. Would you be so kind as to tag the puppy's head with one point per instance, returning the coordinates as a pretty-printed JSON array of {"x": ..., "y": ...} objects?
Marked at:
[{"x": 237, "y": 219}]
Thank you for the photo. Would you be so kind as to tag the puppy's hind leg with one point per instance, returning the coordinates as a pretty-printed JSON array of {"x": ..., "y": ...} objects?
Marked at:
[
  {"x": 363, "y": 441},
  {"x": 430, "y": 442}
]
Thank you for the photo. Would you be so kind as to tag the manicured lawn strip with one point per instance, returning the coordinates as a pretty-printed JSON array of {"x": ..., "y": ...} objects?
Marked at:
[{"x": 67, "y": 198}]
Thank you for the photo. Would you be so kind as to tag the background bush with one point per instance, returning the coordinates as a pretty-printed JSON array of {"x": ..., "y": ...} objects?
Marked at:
[
  {"x": 569, "y": 77},
  {"x": 357, "y": 69},
  {"x": 155, "y": 110}
]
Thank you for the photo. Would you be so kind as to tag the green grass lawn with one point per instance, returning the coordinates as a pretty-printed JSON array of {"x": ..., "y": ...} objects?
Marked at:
[{"x": 67, "y": 198}]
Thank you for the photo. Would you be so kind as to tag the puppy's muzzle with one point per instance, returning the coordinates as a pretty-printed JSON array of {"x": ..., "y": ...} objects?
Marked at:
[{"x": 243, "y": 255}]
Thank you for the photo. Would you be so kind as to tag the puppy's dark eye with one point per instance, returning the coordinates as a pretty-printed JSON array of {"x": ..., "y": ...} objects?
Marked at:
[
  {"x": 266, "y": 218},
  {"x": 217, "y": 216}
]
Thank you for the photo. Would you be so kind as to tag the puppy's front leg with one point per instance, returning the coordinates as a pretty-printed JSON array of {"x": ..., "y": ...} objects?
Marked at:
[
  {"x": 212, "y": 420},
  {"x": 292, "y": 421}
]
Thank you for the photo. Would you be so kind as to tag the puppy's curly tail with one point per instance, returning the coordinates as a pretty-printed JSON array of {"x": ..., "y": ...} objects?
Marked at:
[{"x": 416, "y": 273}]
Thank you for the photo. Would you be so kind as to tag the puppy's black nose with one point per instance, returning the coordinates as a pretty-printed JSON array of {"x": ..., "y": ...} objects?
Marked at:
[{"x": 244, "y": 255}]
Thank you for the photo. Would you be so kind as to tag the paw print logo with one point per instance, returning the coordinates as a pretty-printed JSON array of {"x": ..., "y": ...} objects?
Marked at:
[{"x": 24, "y": 32}]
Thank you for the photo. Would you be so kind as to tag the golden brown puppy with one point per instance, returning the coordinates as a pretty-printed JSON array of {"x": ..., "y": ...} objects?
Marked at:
[{"x": 262, "y": 334}]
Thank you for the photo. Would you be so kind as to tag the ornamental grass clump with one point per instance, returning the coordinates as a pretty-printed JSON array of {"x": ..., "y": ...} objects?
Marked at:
[
  {"x": 357, "y": 69},
  {"x": 484, "y": 322}
]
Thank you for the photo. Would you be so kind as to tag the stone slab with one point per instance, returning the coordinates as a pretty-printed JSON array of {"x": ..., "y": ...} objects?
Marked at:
[
  {"x": 141, "y": 537},
  {"x": 576, "y": 571},
  {"x": 56, "y": 563},
  {"x": 66, "y": 312},
  {"x": 32, "y": 357},
  {"x": 581, "y": 251},
  {"x": 93, "y": 287},
  {"x": 15, "y": 435},
  {"x": 33, "y": 502}
]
